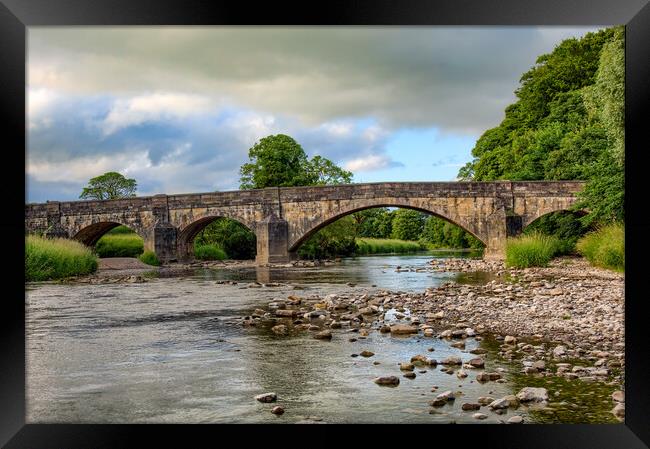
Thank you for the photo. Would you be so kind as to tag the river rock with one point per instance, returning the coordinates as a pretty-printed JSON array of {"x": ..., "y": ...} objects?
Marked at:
[
  {"x": 403, "y": 329},
  {"x": 532, "y": 394},
  {"x": 429, "y": 332},
  {"x": 406, "y": 366},
  {"x": 277, "y": 410},
  {"x": 619, "y": 410},
  {"x": 367, "y": 353},
  {"x": 478, "y": 351},
  {"x": 539, "y": 365},
  {"x": 323, "y": 335},
  {"x": 267, "y": 397},
  {"x": 618, "y": 396},
  {"x": 384, "y": 329},
  {"x": 515, "y": 419},
  {"x": 485, "y": 400},
  {"x": 438, "y": 402},
  {"x": 280, "y": 329},
  {"x": 387, "y": 380},
  {"x": 458, "y": 345},
  {"x": 286, "y": 313},
  {"x": 482, "y": 377},
  {"x": 467, "y": 406},
  {"x": 461, "y": 374},
  {"x": 409, "y": 375},
  {"x": 479, "y": 416},
  {"x": 477, "y": 362},
  {"x": 452, "y": 360},
  {"x": 446, "y": 395},
  {"x": 510, "y": 340},
  {"x": 559, "y": 351}
]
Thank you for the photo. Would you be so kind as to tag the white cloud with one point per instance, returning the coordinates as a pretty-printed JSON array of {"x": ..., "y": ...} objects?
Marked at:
[
  {"x": 370, "y": 163},
  {"x": 153, "y": 107}
]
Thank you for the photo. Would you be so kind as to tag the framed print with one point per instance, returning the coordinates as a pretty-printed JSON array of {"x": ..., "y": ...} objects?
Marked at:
[{"x": 383, "y": 213}]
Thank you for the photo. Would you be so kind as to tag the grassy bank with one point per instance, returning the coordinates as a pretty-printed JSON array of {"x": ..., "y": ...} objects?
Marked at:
[
  {"x": 605, "y": 247},
  {"x": 533, "y": 250},
  {"x": 209, "y": 252},
  {"x": 150, "y": 258},
  {"x": 120, "y": 244},
  {"x": 381, "y": 246},
  {"x": 47, "y": 259}
]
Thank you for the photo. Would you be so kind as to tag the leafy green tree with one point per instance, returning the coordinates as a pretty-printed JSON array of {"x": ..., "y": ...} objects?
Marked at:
[
  {"x": 335, "y": 239},
  {"x": 440, "y": 233},
  {"x": 275, "y": 161},
  {"x": 408, "y": 224},
  {"x": 109, "y": 186},
  {"x": 375, "y": 223},
  {"x": 322, "y": 172},
  {"x": 567, "y": 123}
]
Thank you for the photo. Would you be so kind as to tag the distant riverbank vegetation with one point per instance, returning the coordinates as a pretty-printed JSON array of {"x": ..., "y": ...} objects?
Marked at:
[
  {"x": 56, "y": 258},
  {"x": 120, "y": 242},
  {"x": 567, "y": 124}
]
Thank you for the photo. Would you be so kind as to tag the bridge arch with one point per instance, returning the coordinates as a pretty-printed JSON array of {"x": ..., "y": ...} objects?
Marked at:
[
  {"x": 90, "y": 234},
  {"x": 187, "y": 234},
  {"x": 320, "y": 222}
]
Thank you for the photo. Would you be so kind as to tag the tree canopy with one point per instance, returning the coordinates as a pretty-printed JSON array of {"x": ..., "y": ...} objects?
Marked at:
[
  {"x": 280, "y": 161},
  {"x": 567, "y": 124},
  {"x": 109, "y": 186}
]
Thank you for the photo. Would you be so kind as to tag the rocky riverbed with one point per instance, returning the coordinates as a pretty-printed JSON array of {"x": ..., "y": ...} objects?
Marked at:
[{"x": 566, "y": 320}]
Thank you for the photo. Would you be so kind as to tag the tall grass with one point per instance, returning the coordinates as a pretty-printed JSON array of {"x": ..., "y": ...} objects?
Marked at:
[
  {"x": 119, "y": 244},
  {"x": 382, "y": 246},
  {"x": 532, "y": 250},
  {"x": 209, "y": 252},
  {"x": 58, "y": 258},
  {"x": 150, "y": 258},
  {"x": 605, "y": 247}
]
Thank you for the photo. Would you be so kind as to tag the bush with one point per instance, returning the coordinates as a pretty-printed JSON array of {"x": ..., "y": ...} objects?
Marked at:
[
  {"x": 532, "y": 250},
  {"x": 56, "y": 258},
  {"x": 385, "y": 246},
  {"x": 605, "y": 247},
  {"x": 121, "y": 229},
  {"x": 209, "y": 252},
  {"x": 119, "y": 244},
  {"x": 150, "y": 258}
]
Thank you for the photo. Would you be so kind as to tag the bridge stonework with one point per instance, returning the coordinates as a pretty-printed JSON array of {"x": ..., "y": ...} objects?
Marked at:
[{"x": 283, "y": 218}]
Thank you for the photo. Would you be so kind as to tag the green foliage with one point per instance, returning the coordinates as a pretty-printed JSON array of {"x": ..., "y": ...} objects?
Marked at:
[
  {"x": 109, "y": 186},
  {"x": 150, "y": 258},
  {"x": 567, "y": 123},
  {"x": 335, "y": 239},
  {"x": 209, "y": 252},
  {"x": 567, "y": 226},
  {"x": 605, "y": 247},
  {"x": 119, "y": 244},
  {"x": 531, "y": 250},
  {"x": 374, "y": 223},
  {"x": 121, "y": 230},
  {"x": 231, "y": 236},
  {"x": 439, "y": 233},
  {"x": 322, "y": 172},
  {"x": 279, "y": 161},
  {"x": 407, "y": 224},
  {"x": 386, "y": 246},
  {"x": 58, "y": 258}
]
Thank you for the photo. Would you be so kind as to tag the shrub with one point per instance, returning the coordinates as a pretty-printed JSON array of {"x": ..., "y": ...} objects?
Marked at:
[
  {"x": 385, "y": 246},
  {"x": 605, "y": 247},
  {"x": 57, "y": 258},
  {"x": 150, "y": 258},
  {"x": 119, "y": 244},
  {"x": 532, "y": 250},
  {"x": 209, "y": 252}
]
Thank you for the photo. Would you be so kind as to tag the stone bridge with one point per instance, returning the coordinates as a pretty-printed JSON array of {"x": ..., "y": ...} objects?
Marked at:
[{"x": 283, "y": 218}]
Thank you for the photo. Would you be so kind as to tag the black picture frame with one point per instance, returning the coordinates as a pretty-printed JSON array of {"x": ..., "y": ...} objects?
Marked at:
[{"x": 16, "y": 15}]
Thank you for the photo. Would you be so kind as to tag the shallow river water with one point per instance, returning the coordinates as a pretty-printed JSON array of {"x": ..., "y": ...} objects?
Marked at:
[{"x": 171, "y": 350}]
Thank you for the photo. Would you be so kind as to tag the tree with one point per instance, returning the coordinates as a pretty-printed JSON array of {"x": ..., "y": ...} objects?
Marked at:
[
  {"x": 275, "y": 161},
  {"x": 408, "y": 224},
  {"x": 322, "y": 172},
  {"x": 109, "y": 186}
]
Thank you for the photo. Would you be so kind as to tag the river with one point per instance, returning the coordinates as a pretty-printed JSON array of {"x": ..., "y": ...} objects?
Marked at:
[{"x": 171, "y": 350}]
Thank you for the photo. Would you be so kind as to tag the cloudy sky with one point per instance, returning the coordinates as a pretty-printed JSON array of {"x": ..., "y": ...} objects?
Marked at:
[{"x": 177, "y": 108}]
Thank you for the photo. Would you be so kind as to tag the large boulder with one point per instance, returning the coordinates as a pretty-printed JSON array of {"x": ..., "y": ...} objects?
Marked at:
[{"x": 533, "y": 394}]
